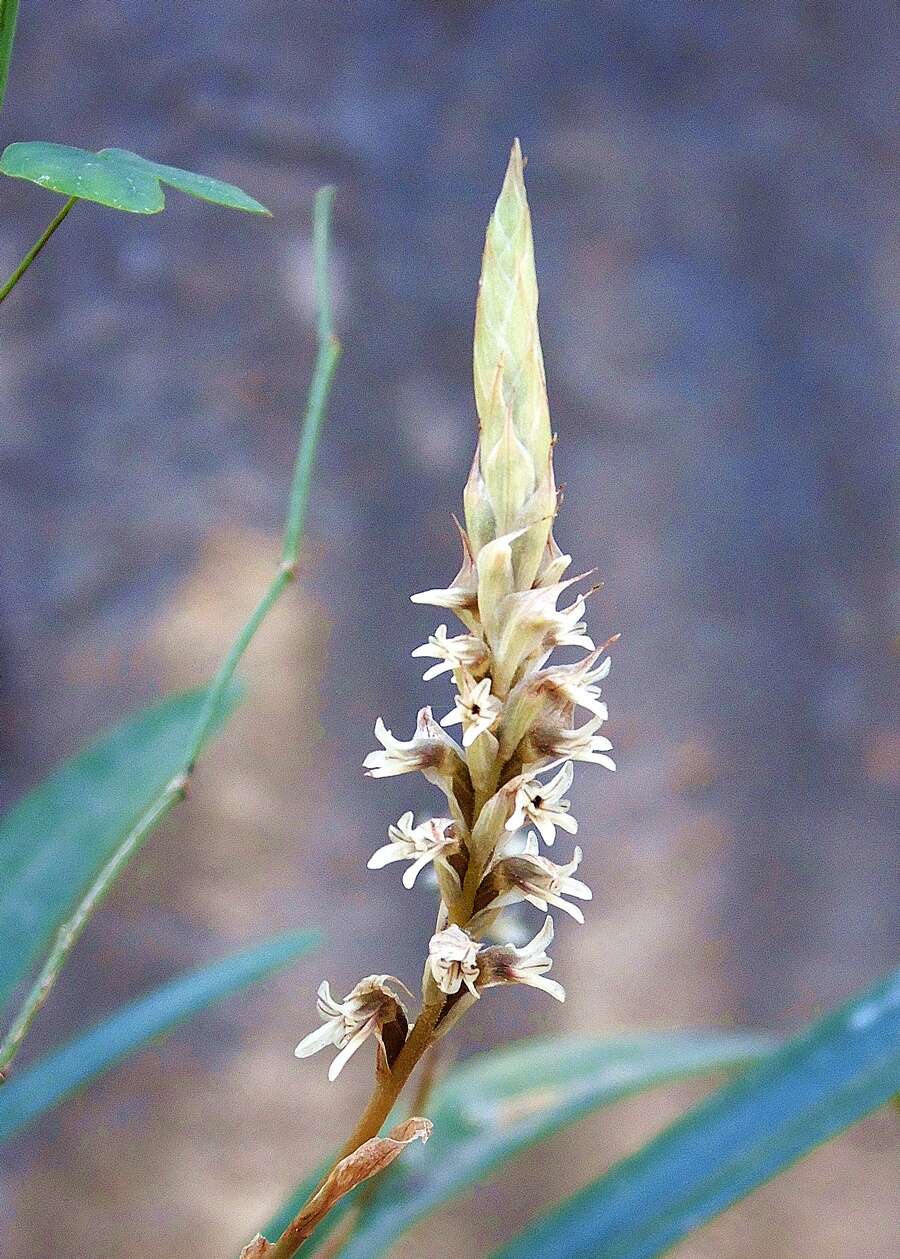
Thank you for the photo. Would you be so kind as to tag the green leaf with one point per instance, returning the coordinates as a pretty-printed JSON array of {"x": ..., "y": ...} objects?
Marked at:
[
  {"x": 69, "y": 1068},
  {"x": 9, "y": 12},
  {"x": 115, "y": 178},
  {"x": 490, "y": 1108},
  {"x": 201, "y": 186},
  {"x": 817, "y": 1084},
  {"x": 77, "y": 173},
  {"x": 53, "y": 843}
]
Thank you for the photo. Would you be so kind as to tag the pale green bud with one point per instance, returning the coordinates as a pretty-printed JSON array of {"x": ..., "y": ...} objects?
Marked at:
[{"x": 516, "y": 485}]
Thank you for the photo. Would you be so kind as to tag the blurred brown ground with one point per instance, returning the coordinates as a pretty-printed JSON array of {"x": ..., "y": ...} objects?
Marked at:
[{"x": 714, "y": 192}]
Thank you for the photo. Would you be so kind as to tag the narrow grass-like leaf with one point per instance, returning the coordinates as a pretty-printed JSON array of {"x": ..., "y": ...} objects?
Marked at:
[
  {"x": 115, "y": 178},
  {"x": 58, "y": 837},
  {"x": 497, "y": 1104},
  {"x": 69, "y": 1068},
  {"x": 9, "y": 12},
  {"x": 819, "y": 1083}
]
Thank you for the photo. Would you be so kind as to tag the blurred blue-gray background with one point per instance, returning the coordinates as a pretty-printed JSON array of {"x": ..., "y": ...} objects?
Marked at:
[{"x": 714, "y": 194}]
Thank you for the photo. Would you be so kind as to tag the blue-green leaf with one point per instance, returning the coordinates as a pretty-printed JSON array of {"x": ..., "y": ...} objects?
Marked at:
[
  {"x": 817, "y": 1084},
  {"x": 65, "y": 1070},
  {"x": 201, "y": 186},
  {"x": 53, "y": 843},
  {"x": 115, "y": 178},
  {"x": 490, "y": 1108}
]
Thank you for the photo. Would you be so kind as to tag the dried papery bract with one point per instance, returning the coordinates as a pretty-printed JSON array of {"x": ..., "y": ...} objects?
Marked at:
[{"x": 524, "y": 718}]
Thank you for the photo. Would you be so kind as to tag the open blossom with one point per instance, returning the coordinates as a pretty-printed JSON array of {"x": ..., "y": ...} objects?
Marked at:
[
  {"x": 428, "y": 750},
  {"x": 541, "y": 805},
  {"x": 583, "y": 744},
  {"x": 419, "y": 844},
  {"x": 535, "y": 879},
  {"x": 569, "y": 629},
  {"x": 464, "y": 651},
  {"x": 506, "y": 964},
  {"x": 576, "y": 683},
  {"x": 371, "y": 1009},
  {"x": 475, "y": 708},
  {"x": 452, "y": 956}
]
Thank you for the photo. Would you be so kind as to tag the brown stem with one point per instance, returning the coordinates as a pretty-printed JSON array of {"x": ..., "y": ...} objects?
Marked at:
[{"x": 381, "y": 1103}]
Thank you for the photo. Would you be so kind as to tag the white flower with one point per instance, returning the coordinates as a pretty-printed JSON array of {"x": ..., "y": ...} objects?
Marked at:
[
  {"x": 462, "y": 651},
  {"x": 418, "y": 844},
  {"x": 568, "y": 628},
  {"x": 542, "y": 805},
  {"x": 506, "y": 964},
  {"x": 429, "y": 750},
  {"x": 537, "y": 880},
  {"x": 476, "y": 708},
  {"x": 575, "y": 683},
  {"x": 452, "y": 956},
  {"x": 348, "y": 1023},
  {"x": 582, "y": 744}
]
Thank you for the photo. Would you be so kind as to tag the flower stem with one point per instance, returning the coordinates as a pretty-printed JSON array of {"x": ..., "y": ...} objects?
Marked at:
[
  {"x": 35, "y": 249},
  {"x": 387, "y": 1090}
]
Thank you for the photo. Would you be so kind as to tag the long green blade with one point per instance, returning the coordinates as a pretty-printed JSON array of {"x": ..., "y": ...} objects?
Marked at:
[
  {"x": 69, "y": 1068},
  {"x": 9, "y": 12},
  {"x": 59, "y": 836},
  {"x": 490, "y": 1108},
  {"x": 819, "y": 1083}
]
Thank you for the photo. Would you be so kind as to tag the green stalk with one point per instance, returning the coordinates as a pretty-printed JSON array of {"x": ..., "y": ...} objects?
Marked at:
[
  {"x": 35, "y": 250},
  {"x": 9, "y": 12},
  {"x": 69, "y": 933},
  {"x": 327, "y": 357}
]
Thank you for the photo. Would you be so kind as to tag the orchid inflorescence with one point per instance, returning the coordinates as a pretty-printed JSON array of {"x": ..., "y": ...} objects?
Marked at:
[{"x": 520, "y": 731}]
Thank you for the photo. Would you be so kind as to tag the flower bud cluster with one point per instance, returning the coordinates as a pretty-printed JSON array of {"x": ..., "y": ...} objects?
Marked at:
[{"x": 506, "y": 780}]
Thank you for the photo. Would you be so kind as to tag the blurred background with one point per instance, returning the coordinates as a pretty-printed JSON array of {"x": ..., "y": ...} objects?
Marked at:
[{"x": 714, "y": 196}]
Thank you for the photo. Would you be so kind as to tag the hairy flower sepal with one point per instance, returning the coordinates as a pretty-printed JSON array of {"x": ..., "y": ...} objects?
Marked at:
[
  {"x": 507, "y": 964},
  {"x": 369, "y": 1009},
  {"x": 427, "y": 842},
  {"x": 531, "y": 626},
  {"x": 430, "y": 751},
  {"x": 533, "y": 878},
  {"x": 550, "y": 742}
]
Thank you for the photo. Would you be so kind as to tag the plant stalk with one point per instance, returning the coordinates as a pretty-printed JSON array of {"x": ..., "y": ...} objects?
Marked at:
[
  {"x": 327, "y": 357},
  {"x": 36, "y": 249}
]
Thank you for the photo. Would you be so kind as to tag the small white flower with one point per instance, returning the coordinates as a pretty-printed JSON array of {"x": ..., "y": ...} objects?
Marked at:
[
  {"x": 583, "y": 744},
  {"x": 452, "y": 956},
  {"x": 539, "y": 881},
  {"x": 568, "y": 629},
  {"x": 350, "y": 1022},
  {"x": 542, "y": 805},
  {"x": 476, "y": 708},
  {"x": 506, "y": 964},
  {"x": 575, "y": 683},
  {"x": 428, "y": 750},
  {"x": 462, "y": 651},
  {"x": 418, "y": 844}
]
